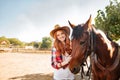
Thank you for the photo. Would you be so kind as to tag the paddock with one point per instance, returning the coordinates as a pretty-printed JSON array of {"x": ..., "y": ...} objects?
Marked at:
[{"x": 27, "y": 66}]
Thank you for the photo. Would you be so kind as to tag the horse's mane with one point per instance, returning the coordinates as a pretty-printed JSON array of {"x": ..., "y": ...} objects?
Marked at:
[
  {"x": 105, "y": 37},
  {"x": 102, "y": 34}
]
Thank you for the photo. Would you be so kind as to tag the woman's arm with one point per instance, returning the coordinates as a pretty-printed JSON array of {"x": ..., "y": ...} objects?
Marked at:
[{"x": 56, "y": 59}]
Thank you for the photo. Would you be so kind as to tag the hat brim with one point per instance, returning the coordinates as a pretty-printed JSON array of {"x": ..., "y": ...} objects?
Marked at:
[{"x": 65, "y": 28}]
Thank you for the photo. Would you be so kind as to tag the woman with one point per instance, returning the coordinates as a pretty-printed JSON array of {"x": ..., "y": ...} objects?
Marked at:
[{"x": 61, "y": 53}]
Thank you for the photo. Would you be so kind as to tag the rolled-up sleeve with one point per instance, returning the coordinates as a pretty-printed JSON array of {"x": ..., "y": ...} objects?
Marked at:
[{"x": 56, "y": 58}]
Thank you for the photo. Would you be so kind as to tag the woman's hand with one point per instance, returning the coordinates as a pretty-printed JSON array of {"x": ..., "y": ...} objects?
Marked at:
[{"x": 66, "y": 61}]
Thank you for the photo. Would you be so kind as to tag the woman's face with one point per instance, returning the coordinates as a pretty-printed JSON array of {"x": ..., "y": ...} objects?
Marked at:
[{"x": 61, "y": 35}]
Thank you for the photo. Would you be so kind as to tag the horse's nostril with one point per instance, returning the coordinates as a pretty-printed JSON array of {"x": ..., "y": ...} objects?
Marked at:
[{"x": 76, "y": 70}]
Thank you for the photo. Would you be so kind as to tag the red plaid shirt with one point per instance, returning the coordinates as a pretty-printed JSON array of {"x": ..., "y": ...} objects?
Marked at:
[{"x": 56, "y": 58}]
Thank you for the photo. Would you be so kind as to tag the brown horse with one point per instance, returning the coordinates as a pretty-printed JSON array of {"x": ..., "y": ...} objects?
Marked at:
[{"x": 105, "y": 57}]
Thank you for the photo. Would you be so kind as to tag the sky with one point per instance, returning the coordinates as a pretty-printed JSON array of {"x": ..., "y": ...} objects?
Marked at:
[{"x": 31, "y": 20}]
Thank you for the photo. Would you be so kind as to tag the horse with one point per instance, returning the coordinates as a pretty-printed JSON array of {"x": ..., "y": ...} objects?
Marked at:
[{"x": 87, "y": 41}]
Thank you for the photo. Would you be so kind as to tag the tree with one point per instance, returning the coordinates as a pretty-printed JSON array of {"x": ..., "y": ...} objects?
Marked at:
[
  {"x": 109, "y": 21},
  {"x": 36, "y": 45},
  {"x": 5, "y": 39},
  {"x": 46, "y": 42},
  {"x": 15, "y": 42}
]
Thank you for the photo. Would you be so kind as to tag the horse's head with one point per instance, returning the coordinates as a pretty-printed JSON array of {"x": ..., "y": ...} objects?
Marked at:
[{"x": 80, "y": 45}]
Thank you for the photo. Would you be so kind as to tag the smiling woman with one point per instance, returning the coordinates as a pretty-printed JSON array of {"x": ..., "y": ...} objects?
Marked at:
[{"x": 61, "y": 53}]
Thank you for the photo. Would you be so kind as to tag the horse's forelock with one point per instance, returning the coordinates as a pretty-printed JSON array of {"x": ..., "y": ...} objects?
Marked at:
[{"x": 77, "y": 32}]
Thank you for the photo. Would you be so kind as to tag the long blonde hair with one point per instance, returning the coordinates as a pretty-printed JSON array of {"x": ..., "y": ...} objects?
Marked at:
[{"x": 60, "y": 46}]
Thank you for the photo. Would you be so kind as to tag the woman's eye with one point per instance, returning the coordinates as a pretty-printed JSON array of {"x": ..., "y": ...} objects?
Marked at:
[{"x": 82, "y": 42}]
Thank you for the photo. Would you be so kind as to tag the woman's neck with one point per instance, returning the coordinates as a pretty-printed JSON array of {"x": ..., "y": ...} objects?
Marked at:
[{"x": 63, "y": 42}]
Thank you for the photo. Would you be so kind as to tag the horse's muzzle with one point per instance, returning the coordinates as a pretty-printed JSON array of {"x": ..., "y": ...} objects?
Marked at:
[{"x": 75, "y": 70}]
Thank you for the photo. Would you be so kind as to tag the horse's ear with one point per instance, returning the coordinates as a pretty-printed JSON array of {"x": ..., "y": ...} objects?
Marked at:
[
  {"x": 88, "y": 23},
  {"x": 72, "y": 25}
]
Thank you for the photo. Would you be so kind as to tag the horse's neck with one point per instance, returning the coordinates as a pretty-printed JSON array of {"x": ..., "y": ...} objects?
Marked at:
[{"x": 104, "y": 49}]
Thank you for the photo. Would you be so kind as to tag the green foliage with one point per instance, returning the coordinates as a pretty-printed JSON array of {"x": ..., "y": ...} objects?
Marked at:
[
  {"x": 46, "y": 42},
  {"x": 34, "y": 44},
  {"x": 4, "y": 39},
  {"x": 109, "y": 21},
  {"x": 30, "y": 44},
  {"x": 15, "y": 42}
]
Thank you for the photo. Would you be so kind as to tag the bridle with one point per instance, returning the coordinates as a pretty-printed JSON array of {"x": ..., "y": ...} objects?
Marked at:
[
  {"x": 89, "y": 52},
  {"x": 91, "y": 44}
]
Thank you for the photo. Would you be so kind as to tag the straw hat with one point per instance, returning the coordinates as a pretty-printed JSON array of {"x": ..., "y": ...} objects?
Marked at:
[{"x": 57, "y": 27}]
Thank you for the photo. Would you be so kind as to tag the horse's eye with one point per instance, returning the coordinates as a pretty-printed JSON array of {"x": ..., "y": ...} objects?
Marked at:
[{"x": 82, "y": 42}]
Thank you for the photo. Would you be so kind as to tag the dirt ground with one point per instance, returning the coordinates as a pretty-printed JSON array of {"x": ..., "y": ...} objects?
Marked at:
[
  {"x": 21, "y": 66},
  {"x": 26, "y": 66}
]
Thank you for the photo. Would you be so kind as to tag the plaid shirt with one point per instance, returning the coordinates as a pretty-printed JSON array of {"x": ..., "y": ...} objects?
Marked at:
[{"x": 56, "y": 58}]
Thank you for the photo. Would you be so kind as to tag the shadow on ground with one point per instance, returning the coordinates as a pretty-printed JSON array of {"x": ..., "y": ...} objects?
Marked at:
[{"x": 39, "y": 76}]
